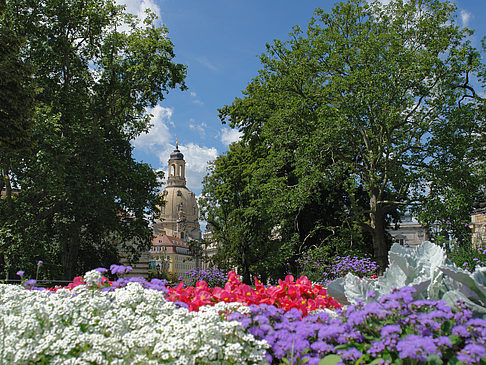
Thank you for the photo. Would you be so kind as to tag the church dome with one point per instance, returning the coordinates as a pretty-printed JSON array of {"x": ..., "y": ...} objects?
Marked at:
[
  {"x": 180, "y": 203},
  {"x": 179, "y": 216},
  {"x": 176, "y": 155}
]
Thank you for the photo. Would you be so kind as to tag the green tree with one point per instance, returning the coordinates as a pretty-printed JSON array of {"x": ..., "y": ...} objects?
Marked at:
[
  {"x": 16, "y": 93},
  {"x": 231, "y": 204},
  {"x": 373, "y": 98},
  {"x": 97, "y": 70}
]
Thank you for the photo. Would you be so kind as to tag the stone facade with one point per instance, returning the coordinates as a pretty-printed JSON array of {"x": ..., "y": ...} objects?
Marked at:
[
  {"x": 177, "y": 226},
  {"x": 170, "y": 254},
  {"x": 410, "y": 233},
  {"x": 478, "y": 226},
  {"x": 180, "y": 215}
]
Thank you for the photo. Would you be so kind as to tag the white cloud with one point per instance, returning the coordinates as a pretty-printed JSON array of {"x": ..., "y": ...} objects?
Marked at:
[
  {"x": 138, "y": 8},
  {"x": 200, "y": 128},
  {"x": 229, "y": 135},
  {"x": 195, "y": 99},
  {"x": 196, "y": 157},
  {"x": 465, "y": 17},
  {"x": 159, "y": 135},
  {"x": 203, "y": 60}
]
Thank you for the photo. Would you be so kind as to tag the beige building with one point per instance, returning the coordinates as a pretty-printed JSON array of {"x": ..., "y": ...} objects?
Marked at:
[
  {"x": 410, "y": 233},
  {"x": 171, "y": 255},
  {"x": 177, "y": 226},
  {"x": 478, "y": 224},
  {"x": 180, "y": 215}
]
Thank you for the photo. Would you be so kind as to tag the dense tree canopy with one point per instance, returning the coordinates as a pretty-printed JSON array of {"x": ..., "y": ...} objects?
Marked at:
[
  {"x": 16, "y": 96},
  {"x": 82, "y": 197},
  {"x": 373, "y": 106}
]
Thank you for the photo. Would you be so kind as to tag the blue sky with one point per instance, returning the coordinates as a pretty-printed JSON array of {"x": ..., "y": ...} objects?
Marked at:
[{"x": 220, "y": 41}]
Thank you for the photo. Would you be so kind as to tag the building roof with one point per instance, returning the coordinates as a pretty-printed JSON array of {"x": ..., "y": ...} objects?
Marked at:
[
  {"x": 176, "y": 155},
  {"x": 164, "y": 240}
]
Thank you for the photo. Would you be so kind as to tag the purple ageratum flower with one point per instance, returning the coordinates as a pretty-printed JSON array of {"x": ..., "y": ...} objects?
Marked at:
[
  {"x": 443, "y": 341},
  {"x": 181, "y": 305},
  {"x": 20, "y": 273},
  {"x": 472, "y": 353},
  {"x": 460, "y": 331},
  {"x": 389, "y": 329},
  {"x": 376, "y": 347},
  {"x": 417, "y": 347},
  {"x": 404, "y": 294},
  {"x": 30, "y": 282},
  {"x": 352, "y": 354},
  {"x": 235, "y": 316},
  {"x": 118, "y": 269},
  {"x": 321, "y": 347},
  {"x": 101, "y": 270}
]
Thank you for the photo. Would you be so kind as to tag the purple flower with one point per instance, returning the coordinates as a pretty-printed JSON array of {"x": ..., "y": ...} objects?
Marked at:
[
  {"x": 321, "y": 347},
  {"x": 40, "y": 262},
  {"x": 416, "y": 347},
  {"x": 460, "y": 331},
  {"x": 376, "y": 347},
  {"x": 472, "y": 353},
  {"x": 181, "y": 305},
  {"x": 117, "y": 269},
  {"x": 352, "y": 354},
  {"x": 443, "y": 341},
  {"x": 30, "y": 282},
  {"x": 20, "y": 273},
  {"x": 389, "y": 329},
  {"x": 101, "y": 270}
]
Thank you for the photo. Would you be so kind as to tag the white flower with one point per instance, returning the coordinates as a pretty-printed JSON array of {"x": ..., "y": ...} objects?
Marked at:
[
  {"x": 92, "y": 278},
  {"x": 131, "y": 325}
]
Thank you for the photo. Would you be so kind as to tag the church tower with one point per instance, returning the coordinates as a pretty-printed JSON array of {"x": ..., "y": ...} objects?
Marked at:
[
  {"x": 177, "y": 168},
  {"x": 180, "y": 215}
]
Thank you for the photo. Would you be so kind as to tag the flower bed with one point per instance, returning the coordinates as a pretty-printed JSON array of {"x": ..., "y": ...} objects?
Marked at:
[
  {"x": 300, "y": 294},
  {"x": 94, "y": 320},
  {"x": 128, "y": 325}
]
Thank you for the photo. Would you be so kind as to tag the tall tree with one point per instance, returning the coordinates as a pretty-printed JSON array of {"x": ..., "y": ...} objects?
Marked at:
[
  {"x": 368, "y": 94},
  {"x": 232, "y": 205},
  {"x": 16, "y": 93},
  {"x": 97, "y": 70}
]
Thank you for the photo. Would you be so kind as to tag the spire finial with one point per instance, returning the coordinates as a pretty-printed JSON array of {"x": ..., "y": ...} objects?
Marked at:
[{"x": 177, "y": 143}]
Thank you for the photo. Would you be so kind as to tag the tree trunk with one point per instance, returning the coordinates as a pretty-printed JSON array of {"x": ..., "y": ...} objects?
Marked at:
[
  {"x": 8, "y": 189},
  {"x": 377, "y": 223},
  {"x": 70, "y": 250},
  {"x": 245, "y": 269}
]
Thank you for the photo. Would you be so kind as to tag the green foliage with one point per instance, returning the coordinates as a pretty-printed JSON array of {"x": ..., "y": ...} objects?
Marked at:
[
  {"x": 16, "y": 91},
  {"x": 370, "y": 108},
  {"x": 233, "y": 207},
  {"x": 468, "y": 257},
  {"x": 82, "y": 196}
]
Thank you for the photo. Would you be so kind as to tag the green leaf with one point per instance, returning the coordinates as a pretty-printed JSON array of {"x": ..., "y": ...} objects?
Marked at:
[
  {"x": 330, "y": 360},
  {"x": 376, "y": 361},
  {"x": 434, "y": 360}
]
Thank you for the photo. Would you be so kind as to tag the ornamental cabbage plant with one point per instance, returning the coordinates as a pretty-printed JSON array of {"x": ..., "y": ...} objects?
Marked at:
[{"x": 425, "y": 268}]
